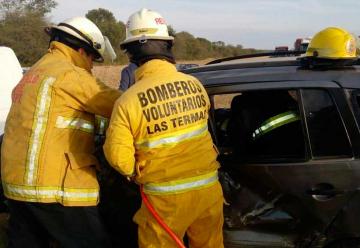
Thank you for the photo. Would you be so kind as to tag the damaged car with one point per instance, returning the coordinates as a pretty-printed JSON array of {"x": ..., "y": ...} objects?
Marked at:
[{"x": 288, "y": 137}]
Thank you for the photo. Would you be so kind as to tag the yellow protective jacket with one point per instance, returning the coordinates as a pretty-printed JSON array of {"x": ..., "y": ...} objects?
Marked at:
[
  {"x": 158, "y": 129},
  {"x": 48, "y": 143}
]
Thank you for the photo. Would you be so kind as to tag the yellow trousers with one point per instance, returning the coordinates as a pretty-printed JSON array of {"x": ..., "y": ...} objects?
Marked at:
[{"x": 198, "y": 213}]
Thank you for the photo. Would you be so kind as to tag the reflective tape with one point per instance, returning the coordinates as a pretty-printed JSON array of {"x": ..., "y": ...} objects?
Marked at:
[
  {"x": 173, "y": 139},
  {"x": 181, "y": 186},
  {"x": 144, "y": 31},
  {"x": 275, "y": 122},
  {"x": 36, "y": 193},
  {"x": 38, "y": 128},
  {"x": 102, "y": 124},
  {"x": 74, "y": 123}
]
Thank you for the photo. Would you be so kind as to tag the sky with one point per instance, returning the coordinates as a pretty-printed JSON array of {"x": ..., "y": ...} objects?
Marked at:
[{"x": 261, "y": 24}]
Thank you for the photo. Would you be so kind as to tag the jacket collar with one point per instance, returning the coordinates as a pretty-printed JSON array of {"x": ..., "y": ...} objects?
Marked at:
[
  {"x": 70, "y": 54},
  {"x": 153, "y": 66}
]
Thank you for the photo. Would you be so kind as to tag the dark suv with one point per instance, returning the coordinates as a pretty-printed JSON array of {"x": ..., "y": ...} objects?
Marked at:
[{"x": 289, "y": 145}]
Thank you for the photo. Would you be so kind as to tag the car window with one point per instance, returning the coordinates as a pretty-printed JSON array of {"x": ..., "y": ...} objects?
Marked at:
[
  {"x": 259, "y": 125},
  {"x": 327, "y": 133}
]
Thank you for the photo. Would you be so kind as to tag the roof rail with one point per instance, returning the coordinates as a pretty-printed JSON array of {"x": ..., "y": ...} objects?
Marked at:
[{"x": 254, "y": 55}]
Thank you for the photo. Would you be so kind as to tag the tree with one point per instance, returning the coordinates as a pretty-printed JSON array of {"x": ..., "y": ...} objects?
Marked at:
[
  {"x": 41, "y": 7},
  {"x": 22, "y": 27},
  {"x": 184, "y": 46},
  {"x": 25, "y": 35}
]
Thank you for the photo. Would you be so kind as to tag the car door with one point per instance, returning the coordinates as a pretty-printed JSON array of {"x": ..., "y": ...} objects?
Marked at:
[{"x": 315, "y": 185}]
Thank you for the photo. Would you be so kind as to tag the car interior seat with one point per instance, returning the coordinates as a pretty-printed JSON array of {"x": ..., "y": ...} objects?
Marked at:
[{"x": 243, "y": 119}]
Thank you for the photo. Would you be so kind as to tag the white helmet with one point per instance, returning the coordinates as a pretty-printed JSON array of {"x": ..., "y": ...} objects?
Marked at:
[
  {"x": 85, "y": 30},
  {"x": 146, "y": 25}
]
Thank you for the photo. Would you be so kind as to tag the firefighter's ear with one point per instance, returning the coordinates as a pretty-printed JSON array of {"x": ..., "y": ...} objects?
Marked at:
[
  {"x": 82, "y": 51},
  {"x": 88, "y": 56}
]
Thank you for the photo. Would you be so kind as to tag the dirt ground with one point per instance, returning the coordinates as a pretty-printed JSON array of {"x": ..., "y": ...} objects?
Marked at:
[{"x": 110, "y": 74}]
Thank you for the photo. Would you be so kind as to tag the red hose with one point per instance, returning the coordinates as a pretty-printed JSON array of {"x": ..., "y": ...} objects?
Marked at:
[{"x": 178, "y": 242}]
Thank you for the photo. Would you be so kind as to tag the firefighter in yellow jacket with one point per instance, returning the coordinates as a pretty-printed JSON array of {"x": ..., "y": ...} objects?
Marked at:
[
  {"x": 47, "y": 167},
  {"x": 158, "y": 134}
]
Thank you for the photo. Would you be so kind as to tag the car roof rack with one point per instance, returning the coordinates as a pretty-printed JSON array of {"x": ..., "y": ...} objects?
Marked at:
[{"x": 254, "y": 55}]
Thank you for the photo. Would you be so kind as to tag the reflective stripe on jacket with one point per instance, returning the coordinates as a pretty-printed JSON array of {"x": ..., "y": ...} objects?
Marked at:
[
  {"x": 158, "y": 129},
  {"x": 181, "y": 186},
  {"x": 101, "y": 124},
  {"x": 275, "y": 122},
  {"x": 49, "y": 134}
]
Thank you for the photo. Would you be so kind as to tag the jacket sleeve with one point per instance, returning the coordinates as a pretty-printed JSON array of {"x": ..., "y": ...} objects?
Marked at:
[
  {"x": 119, "y": 143},
  {"x": 125, "y": 80},
  {"x": 89, "y": 94},
  {"x": 127, "y": 77}
]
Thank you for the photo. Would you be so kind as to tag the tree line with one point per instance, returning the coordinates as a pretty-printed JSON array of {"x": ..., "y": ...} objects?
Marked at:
[{"x": 22, "y": 24}]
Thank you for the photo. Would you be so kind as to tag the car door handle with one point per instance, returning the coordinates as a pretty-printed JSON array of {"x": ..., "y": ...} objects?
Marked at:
[
  {"x": 323, "y": 192},
  {"x": 330, "y": 192}
]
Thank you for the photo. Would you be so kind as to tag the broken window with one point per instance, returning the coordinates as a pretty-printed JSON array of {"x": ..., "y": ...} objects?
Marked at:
[{"x": 260, "y": 125}]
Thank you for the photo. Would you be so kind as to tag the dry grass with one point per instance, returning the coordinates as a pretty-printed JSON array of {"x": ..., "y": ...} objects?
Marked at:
[
  {"x": 224, "y": 101},
  {"x": 110, "y": 74},
  {"x": 199, "y": 62}
]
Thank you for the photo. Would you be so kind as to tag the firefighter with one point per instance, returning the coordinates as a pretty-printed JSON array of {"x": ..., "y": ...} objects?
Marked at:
[
  {"x": 158, "y": 135},
  {"x": 48, "y": 170}
]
